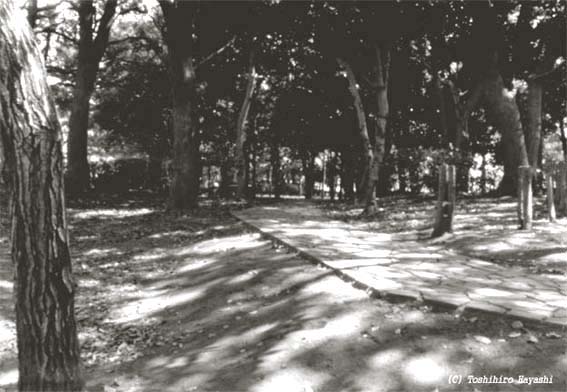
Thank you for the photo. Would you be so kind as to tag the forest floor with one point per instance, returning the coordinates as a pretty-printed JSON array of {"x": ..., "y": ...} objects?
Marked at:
[{"x": 193, "y": 302}]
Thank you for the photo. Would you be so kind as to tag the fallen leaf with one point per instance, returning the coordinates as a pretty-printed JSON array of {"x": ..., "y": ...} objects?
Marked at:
[
  {"x": 532, "y": 339},
  {"x": 552, "y": 335},
  {"x": 482, "y": 339},
  {"x": 517, "y": 324}
]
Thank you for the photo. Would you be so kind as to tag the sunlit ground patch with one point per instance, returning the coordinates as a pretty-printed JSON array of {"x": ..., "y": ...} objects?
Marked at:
[
  {"x": 426, "y": 369},
  {"x": 111, "y": 213},
  {"x": 240, "y": 242},
  {"x": 8, "y": 377}
]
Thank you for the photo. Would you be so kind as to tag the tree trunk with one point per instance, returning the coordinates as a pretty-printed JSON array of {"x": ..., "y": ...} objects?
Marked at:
[
  {"x": 276, "y": 172},
  {"x": 89, "y": 56},
  {"x": 347, "y": 173},
  {"x": 367, "y": 147},
  {"x": 446, "y": 198},
  {"x": 253, "y": 175},
  {"x": 525, "y": 198},
  {"x": 533, "y": 134},
  {"x": 550, "y": 199},
  {"x": 32, "y": 12},
  {"x": 561, "y": 180},
  {"x": 241, "y": 133},
  {"x": 308, "y": 165},
  {"x": 501, "y": 105},
  {"x": 48, "y": 348},
  {"x": 184, "y": 189},
  {"x": 225, "y": 178},
  {"x": 332, "y": 175},
  {"x": 563, "y": 137},
  {"x": 382, "y": 112}
]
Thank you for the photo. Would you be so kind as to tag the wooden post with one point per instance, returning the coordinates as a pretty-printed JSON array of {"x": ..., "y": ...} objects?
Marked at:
[
  {"x": 550, "y": 202},
  {"x": 525, "y": 197},
  {"x": 446, "y": 199}
]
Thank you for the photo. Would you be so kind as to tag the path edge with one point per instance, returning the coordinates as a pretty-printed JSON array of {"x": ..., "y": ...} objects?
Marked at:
[{"x": 393, "y": 295}]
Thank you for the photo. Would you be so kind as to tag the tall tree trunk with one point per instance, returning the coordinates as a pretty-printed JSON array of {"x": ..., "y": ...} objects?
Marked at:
[
  {"x": 367, "y": 147},
  {"x": 184, "y": 189},
  {"x": 533, "y": 134},
  {"x": 501, "y": 104},
  {"x": 91, "y": 50},
  {"x": 382, "y": 112},
  {"x": 48, "y": 348},
  {"x": 241, "y": 133}
]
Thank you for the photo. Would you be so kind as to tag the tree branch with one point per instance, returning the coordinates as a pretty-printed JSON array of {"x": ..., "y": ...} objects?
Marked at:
[
  {"x": 104, "y": 26},
  {"x": 543, "y": 75},
  {"x": 216, "y": 52},
  {"x": 66, "y": 37}
]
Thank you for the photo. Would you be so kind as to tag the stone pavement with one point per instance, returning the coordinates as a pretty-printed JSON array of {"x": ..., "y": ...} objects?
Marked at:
[{"x": 390, "y": 266}]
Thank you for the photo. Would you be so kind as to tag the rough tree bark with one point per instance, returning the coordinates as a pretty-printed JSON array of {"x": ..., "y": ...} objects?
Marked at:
[
  {"x": 48, "y": 348},
  {"x": 533, "y": 120},
  {"x": 184, "y": 188},
  {"x": 241, "y": 133},
  {"x": 367, "y": 147},
  {"x": 382, "y": 73},
  {"x": 91, "y": 50},
  {"x": 501, "y": 104},
  {"x": 446, "y": 197}
]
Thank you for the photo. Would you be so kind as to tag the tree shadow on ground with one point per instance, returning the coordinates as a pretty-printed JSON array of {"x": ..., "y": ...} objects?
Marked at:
[
  {"x": 235, "y": 313},
  {"x": 196, "y": 302},
  {"x": 484, "y": 228}
]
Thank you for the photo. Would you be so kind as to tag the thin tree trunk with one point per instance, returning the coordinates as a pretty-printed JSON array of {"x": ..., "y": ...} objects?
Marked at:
[
  {"x": 347, "y": 173},
  {"x": 184, "y": 189},
  {"x": 241, "y": 134},
  {"x": 90, "y": 53},
  {"x": 563, "y": 137},
  {"x": 225, "y": 178},
  {"x": 525, "y": 197},
  {"x": 550, "y": 199},
  {"x": 307, "y": 161},
  {"x": 276, "y": 172},
  {"x": 48, "y": 348}
]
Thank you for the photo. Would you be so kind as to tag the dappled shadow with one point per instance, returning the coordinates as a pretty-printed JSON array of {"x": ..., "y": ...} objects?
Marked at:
[
  {"x": 195, "y": 302},
  {"x": 484, "y": 228},
  {"x": 391, "y": 264},
  {"x": 236, "y": 313}
]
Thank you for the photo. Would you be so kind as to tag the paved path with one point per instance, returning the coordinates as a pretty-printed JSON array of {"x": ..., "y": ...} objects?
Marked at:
[{"x": 390, "y": 266}]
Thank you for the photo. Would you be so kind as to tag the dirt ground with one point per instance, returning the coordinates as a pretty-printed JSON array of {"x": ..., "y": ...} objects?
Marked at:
[{"x": 197, "y": 302}]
